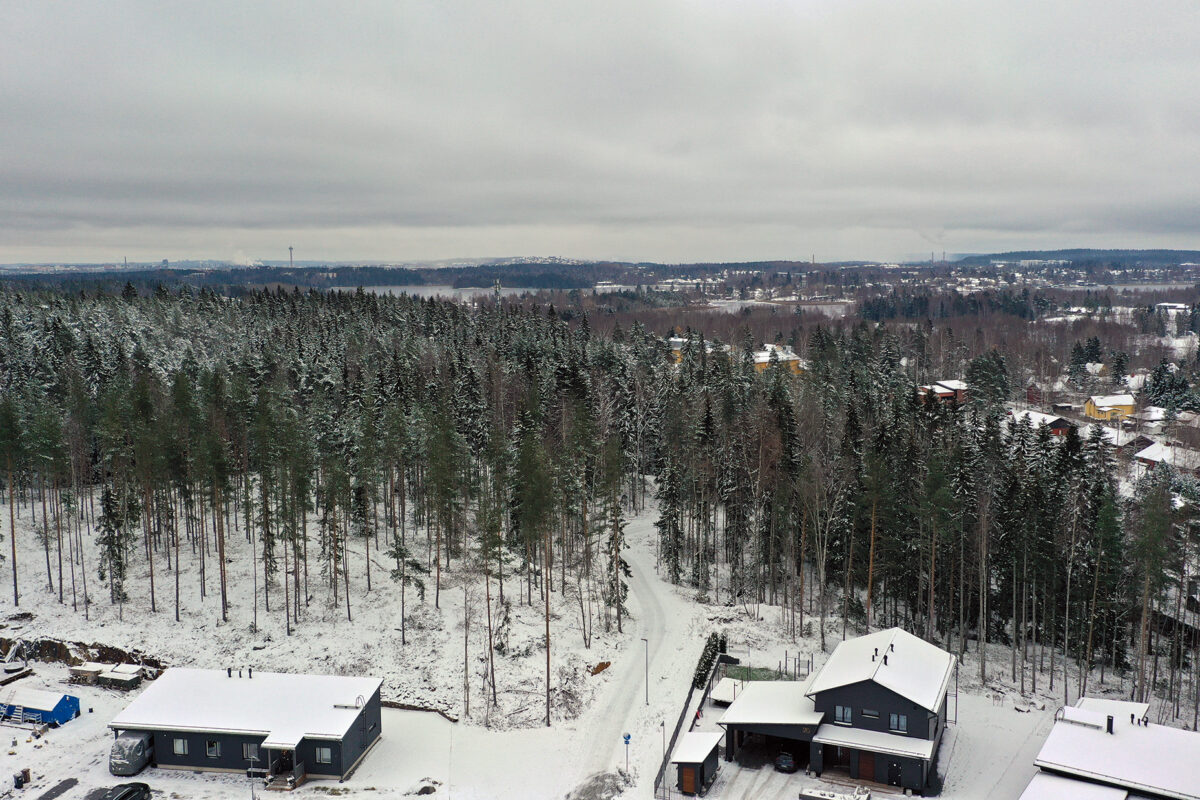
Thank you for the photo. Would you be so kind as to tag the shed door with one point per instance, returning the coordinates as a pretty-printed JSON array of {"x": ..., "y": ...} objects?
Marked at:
[
  {"x": 866, "y": 766},
  {"x": 687, "y": 779}
]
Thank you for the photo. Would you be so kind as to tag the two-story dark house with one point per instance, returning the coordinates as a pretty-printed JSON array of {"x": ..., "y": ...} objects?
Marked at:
[
  {"x": 282, "y": 727},
  {"x": 883, "y": 697},
  {"x": 876, "y": 709}
]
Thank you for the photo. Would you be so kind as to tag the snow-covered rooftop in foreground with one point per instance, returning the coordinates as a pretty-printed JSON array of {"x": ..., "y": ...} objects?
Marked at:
[
  {"x": 915, "y": 669},
  {"x": 773, "y": 703},
  {"x": 693, "y": 748},
  {"x": 1118, "y": 708},
  {"x": 1150, "y": 758},
  {"x": 283, "y": 707},
  {"x": 875, "y": 741},
  {"x": 1045, "y": 786}
]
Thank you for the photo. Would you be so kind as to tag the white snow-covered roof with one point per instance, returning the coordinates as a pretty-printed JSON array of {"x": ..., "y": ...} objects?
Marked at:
[
  {"x": 1151, "y": 414},
  {"x": 1037, "y": 418},
  {"x": 1110, "y": 400},
  {"x": 1153, "y": 759},
  {"x": 875, "y": 741},
  {"x": 773, "y": 703},
  {"x": 782, "y": 352},
  {"x": 31, "y": 698},
  {"x": 1045, "y": 786},
  {"x": 1178, "y": 457},
  {"x": 956, "y": 386},
  {"x": 1118, "y": 708},
  {"x": 282, "y": 707},
  {"x": 695, "y": 746},
  {"x": 726, "y": 690},
  {"x": 915, "y": 669}
]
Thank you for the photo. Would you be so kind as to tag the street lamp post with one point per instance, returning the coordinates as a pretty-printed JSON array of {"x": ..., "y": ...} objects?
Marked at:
[{"x": 647, "y": 643}]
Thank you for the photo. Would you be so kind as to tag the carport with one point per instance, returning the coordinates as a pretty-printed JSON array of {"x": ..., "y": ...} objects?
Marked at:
[{"x": 778, "y": 711}]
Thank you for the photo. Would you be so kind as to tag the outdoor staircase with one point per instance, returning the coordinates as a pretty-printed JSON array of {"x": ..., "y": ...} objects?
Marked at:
[{"x": 17, "y": 713}]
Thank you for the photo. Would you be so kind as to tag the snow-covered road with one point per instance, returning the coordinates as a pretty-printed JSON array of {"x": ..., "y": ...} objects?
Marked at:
[
  {"x": 669, "y": 624},
  {"x": 613, "y": 712}
]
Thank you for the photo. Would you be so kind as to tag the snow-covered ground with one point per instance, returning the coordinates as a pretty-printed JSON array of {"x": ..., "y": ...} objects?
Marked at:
[{"x": 505, "y": 751}]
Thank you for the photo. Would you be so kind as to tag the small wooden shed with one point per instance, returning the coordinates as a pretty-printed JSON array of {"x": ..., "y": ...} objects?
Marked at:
[{"x": 696, "y": 757}]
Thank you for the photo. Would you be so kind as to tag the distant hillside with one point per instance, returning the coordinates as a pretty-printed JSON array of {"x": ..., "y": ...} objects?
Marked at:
[{"x": 1085, "y": 256}]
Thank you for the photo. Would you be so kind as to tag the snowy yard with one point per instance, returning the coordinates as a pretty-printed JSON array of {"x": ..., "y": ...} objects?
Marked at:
[{"x": 988, "y": 754}]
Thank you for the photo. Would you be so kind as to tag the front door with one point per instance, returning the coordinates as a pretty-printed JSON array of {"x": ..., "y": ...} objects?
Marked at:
[
  {"x": 687, "y": 780},
  {"x": 866, "y": 766}
]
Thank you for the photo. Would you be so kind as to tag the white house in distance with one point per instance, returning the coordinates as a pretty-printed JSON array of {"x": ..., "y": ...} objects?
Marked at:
[{"x": 1103, "y": 749}]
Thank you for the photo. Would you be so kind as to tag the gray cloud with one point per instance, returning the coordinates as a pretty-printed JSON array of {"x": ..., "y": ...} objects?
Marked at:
[{"x": 695, "y": 129}]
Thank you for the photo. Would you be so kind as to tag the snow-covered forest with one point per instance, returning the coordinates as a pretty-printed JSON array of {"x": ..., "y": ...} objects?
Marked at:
[{"x": 327, "y": 432}]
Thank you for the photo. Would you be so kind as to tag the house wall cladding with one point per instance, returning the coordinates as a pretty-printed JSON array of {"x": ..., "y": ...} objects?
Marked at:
[
  {"x": 870, "y": 695},
  {"x": 230, "y": 757},
  {"x": 365, "y": 730},
  {"x": 901, "y": 771}
]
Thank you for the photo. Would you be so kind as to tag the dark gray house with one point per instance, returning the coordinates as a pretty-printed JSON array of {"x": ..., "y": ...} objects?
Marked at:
[
  {"x": 279, "y": 726},
  {"x": 876, "y": 709},
  {"x": 884, "y": 700}
]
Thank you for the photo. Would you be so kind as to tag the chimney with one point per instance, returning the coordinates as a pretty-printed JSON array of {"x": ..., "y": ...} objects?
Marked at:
[
  {"x": 239, "y": 672},
  {"x": 1131, "y": 719},
  {"x": 1110, "y": 723},
  {"x": 249, "y": 672},
  {"x": 885, "y": 659},
  {"x": 230, "y": 671}
]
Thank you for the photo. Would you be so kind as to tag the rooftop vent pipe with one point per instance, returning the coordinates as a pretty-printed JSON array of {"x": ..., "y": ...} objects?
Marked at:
[
  {"x": 885, "y": 659},
  {"x": 1110, "y": 723},
  {"x": 249, "y": 672},
  {"x": 230, "y": 671}
]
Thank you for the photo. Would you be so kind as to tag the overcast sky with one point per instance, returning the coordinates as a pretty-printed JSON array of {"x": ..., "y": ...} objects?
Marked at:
[{"x": 671, "y": 131}]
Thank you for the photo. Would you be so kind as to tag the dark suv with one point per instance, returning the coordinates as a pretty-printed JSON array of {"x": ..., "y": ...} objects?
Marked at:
[{"x": 128, "y": 791}]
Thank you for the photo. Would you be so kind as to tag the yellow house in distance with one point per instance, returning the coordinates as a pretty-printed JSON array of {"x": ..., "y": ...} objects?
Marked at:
[
  {"x": 786, "y": 357},
  {"x": 1109, "y": 406}
]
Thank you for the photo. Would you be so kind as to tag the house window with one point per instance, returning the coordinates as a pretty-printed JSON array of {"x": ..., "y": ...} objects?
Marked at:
[
  {"x": 324, "y": 755},
  {"x": 841, "y": 714},
  {"x": 898, "y": 722},
  {"x": 249, "y": 752},
  {"x": 180, "y": 747},
  {"x": 212, "y": 748},
  {"x": 870, "y": 712}
]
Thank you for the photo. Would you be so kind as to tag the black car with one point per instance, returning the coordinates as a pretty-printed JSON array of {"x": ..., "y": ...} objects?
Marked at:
[
  {"x": 784, "y": 762},
  {"x": 128, "y": 791}
]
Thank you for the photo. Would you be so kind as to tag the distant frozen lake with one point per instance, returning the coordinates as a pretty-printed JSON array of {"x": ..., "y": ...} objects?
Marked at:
[{"x": 458, "y": 294}]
